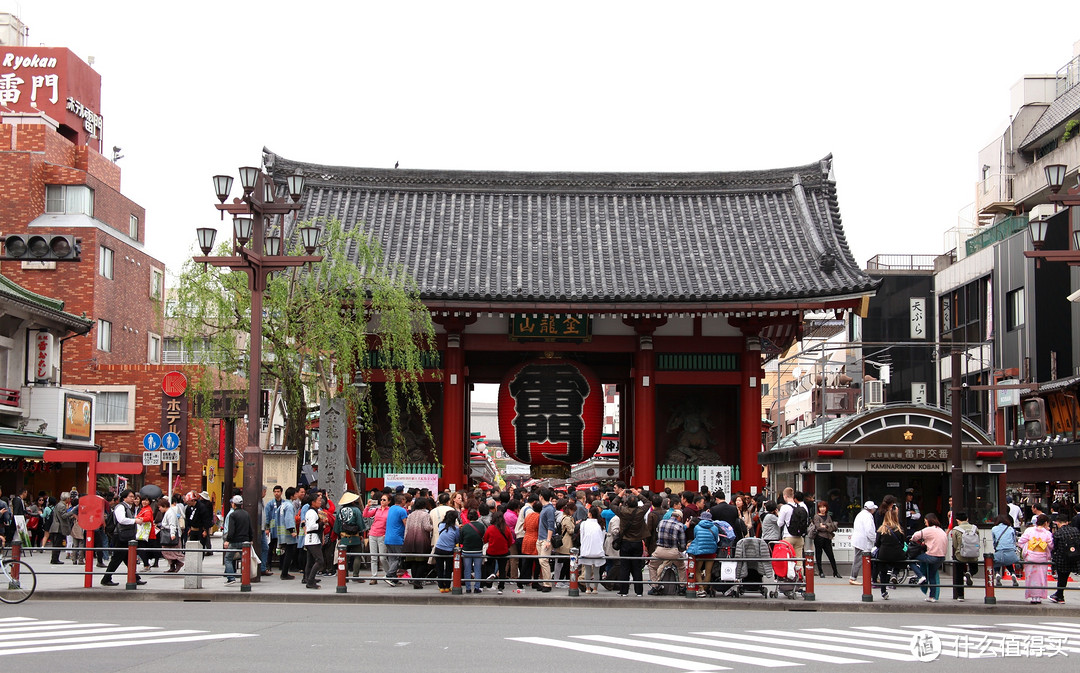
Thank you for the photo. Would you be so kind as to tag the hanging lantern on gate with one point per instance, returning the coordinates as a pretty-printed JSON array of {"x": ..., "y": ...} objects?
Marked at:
[{"x": 551, "y": 412}]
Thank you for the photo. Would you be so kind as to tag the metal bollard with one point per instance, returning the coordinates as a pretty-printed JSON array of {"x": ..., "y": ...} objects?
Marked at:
[
  {"x": 88, "y": 578},
  {"x": 574, "y": 568},
  {"x": 341, "y": 574},
  {"x": 691, "y": 578},
  {"x": 808, "y": 570},
  {"x": 245, "y": 571},
  {"x": 988, "y": 579},
  {"x": 16, "y": 555},
  {"x": 867, "y": 581},
  {"x": 455, "y": 582},
  {"x": 132, "y": 562}
]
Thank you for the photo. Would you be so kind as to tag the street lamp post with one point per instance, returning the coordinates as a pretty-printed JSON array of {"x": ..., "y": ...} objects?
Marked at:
[
  {"x": 256, "y": 252},
  {"x": 1037, "y": 228}
]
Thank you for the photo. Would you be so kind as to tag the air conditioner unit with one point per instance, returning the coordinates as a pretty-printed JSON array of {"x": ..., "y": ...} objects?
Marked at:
[
  {"x": 874, "y": 393},
  {"x": 996, "y": 468},
  {"x": 1041, "y": 210},
  {"x": 823, "y": 467}
]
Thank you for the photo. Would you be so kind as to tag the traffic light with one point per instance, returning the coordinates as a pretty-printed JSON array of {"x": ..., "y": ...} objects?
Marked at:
[
  {"x": 43, "y": 248},
  {"x": 1034, "y": 410}
]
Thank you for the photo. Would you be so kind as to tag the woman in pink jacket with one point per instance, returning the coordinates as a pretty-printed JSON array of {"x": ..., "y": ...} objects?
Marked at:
[
  {"x": 377, "y": 534},
  {"x": 1036, "y": 544}
]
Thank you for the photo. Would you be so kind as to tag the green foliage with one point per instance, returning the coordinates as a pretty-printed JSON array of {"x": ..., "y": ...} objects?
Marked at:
[
  {"x": 1070, "y": 129},
  {"x": 318, "y": 324}
]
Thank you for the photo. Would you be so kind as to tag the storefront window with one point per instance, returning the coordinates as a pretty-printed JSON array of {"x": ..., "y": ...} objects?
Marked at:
[
  {"x": 980, "y": 498},
  {"x": 844, "y": 494}
]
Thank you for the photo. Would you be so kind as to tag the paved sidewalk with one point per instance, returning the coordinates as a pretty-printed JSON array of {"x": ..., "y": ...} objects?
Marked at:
[{"x": 65, "y": 582}]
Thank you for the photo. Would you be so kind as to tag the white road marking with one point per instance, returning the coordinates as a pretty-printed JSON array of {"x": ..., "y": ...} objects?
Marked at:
[
  {"x": 672, "y": 662},
  {"x": 690, "y": 651},
  {"x": 7, "y": 635},
  {"x": 746, "y": 647},
  {"x": 800, "y": 638},
  {"x": 851, "y": 639},
  {"x": 123, "y": 643}
]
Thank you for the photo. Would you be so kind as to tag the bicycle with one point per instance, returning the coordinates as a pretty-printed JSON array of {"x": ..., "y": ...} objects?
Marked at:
[{"x": 17, "y": 579}]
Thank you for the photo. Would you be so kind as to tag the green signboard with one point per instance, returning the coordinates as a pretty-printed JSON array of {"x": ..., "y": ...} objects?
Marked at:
[{"x": 551, "y": 327}]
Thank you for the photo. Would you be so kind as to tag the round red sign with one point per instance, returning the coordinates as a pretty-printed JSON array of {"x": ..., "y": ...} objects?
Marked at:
[{"x": 174, "y": 384}]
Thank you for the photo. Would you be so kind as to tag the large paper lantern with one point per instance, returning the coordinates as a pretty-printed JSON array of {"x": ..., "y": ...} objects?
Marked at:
[{"x": 550, "y": 412}]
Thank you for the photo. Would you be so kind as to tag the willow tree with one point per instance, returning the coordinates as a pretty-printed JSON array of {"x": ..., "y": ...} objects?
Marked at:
[{"x": 318, "y": 325}]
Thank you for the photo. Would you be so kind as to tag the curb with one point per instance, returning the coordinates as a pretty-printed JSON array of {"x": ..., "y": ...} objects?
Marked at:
[{"x": 653, "y": 602}]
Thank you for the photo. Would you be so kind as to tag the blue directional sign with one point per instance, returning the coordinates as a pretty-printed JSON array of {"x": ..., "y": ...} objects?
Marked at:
[
  {"x": 151, "y": 442},
  {"x": 171, "y": 440}
]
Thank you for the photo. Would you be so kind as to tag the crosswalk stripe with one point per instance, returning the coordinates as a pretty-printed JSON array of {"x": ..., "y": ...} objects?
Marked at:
[
  {"x": 879, "y": 636},
  {"x": 1070, "y": 625},
  {"x": 990, "y": 638},
  {"x": 16, "y": 619},
  {"x": 690, "y": 651},
  {"x": 34, "y": 628},
  {"x": 83, "y": 639},
  {"x": 122, "y": 643},
  {"x": 7, "y": 635},
  {"x": 673, "y": 662},
  {"x": 747, "y": 647},
  {"x": 44, "y": 622},
  {"x": 800, "y": 639},
  {"x": 850, "y": 640},
  {"x": 1044, "y": 627}
]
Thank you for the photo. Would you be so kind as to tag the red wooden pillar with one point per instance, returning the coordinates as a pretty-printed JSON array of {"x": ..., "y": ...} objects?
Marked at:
[
  {"x": 644, "y": 473},
  {"x": 453, "y": 434},
  {"x": 750, "y": 414}
]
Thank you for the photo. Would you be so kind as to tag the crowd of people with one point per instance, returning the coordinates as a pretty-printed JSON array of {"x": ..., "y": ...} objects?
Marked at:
[{"x": 526, "y": 538}]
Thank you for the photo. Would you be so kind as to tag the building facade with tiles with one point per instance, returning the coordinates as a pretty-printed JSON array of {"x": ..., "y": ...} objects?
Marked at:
[{"x": 667, "y": 286}]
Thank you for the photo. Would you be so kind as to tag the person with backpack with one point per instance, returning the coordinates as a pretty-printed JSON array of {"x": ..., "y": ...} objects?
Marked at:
[
  {"x": 1036, "y": 547},
  {"x": 794, "y": 520},
  {"x": 124, "y": 513},
  {"x": 1065, "y": 556},
  {"x": 967, "y": 549},
  {"x": 704, "y": 541}
]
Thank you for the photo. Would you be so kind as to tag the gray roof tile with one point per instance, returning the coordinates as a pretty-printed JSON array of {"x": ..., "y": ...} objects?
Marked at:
[
  {"x": 596, "y": 237},
  {"x": 1062, "y": 109}
]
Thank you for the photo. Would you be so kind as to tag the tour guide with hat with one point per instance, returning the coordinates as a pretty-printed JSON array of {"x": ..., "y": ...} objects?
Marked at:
[
  {"x": 349, "y": 527},
  {"x": 863, "y": 534}
]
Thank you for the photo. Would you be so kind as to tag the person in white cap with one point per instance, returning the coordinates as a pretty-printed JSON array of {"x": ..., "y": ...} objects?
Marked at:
[
  {"x": 200, "y": 519},
  {"x": 237, "y": 532},
  {"x": 862, "y": 538}
]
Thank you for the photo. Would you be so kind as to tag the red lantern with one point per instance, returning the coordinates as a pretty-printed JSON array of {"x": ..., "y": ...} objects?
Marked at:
[{"x": 551, "y": 412}]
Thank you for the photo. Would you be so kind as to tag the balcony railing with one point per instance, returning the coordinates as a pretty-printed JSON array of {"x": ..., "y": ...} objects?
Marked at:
[
  {"x": 9, "y": 397},
  {"x": 993, "y": 234},
  {"x": 379, "y": 470},
  {"x": 901, "y": 263},
  {"x": 174, "y": 357}
]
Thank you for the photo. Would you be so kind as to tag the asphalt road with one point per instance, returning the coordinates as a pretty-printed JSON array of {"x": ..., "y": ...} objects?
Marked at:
[{"x": 127, "y": 636}]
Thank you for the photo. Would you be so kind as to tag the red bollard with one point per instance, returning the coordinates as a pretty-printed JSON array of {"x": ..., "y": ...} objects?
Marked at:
[
  {"x": 245, "y": 569},
  {"x": 988, "y": 579},
  {"x": 341, "y": 575},
  {"x": 16, "y": 555},
  {"x": 88, "y": 578},
  {"x": 574, "y": 569},
  {"x": 691, "y": 578},
  {"x": 455, "y": 583},
  {"x": 867, "y": 580},
  {"x": 132, "y": 563},
  {"x": 808, "y": 570}
]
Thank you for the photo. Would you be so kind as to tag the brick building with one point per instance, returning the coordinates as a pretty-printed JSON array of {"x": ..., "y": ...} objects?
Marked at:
[{"x": 54, "y": 180}]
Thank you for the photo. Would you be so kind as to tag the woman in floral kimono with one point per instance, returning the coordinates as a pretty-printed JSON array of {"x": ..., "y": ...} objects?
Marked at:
[{"x": 1036, "y": 546}]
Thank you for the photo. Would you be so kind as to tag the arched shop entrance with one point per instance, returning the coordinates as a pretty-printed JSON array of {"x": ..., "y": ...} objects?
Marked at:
[
  {"x": 670, "y": 287},
  {"x": 849, "y": 460}
]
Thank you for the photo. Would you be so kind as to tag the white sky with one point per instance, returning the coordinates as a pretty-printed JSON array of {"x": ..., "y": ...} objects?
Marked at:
[{"x": 903, "y": 94}]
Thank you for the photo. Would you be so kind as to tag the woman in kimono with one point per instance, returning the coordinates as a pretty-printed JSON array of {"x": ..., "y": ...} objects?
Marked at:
[{"x": 1036, "y": 546}]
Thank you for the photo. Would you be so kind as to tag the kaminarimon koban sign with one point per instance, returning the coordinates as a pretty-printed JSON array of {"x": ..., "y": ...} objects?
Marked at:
[{"x": 550, "y": 413}]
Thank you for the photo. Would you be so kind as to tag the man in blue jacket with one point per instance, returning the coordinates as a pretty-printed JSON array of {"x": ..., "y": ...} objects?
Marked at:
[{"x": 395, "y": 538}]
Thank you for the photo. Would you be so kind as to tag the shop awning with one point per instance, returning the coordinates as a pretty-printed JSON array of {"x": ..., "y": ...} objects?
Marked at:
[{"x": 20, "y": 451}]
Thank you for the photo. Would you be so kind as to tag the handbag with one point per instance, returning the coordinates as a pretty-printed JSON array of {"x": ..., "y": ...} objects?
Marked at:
[
  {"x": 142, "y": 531},
  {"x": 727, "y": 571},
  {"x": 167, "y": 537}
]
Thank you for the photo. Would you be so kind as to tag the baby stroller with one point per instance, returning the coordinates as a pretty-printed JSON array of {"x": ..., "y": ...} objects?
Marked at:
[
  {"x": 752, "y": 574},
  {"x": 787, "y": 569}
]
